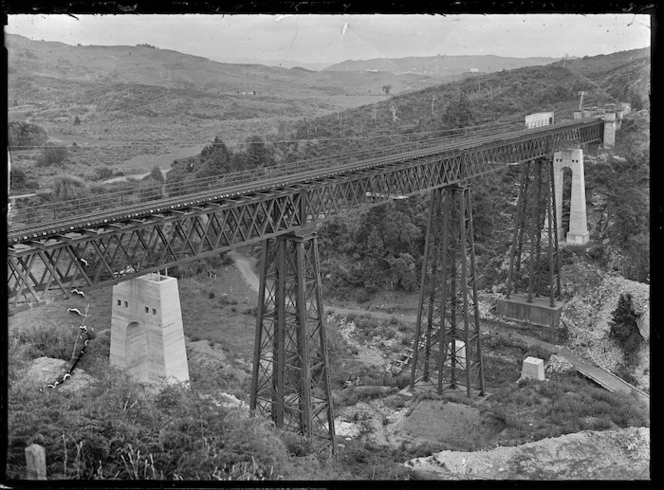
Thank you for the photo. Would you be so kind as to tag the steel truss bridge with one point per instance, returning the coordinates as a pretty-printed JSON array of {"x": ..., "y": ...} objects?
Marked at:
[
  {"x": 290, "y": 377},
  {"x": 46, "y": 261}
]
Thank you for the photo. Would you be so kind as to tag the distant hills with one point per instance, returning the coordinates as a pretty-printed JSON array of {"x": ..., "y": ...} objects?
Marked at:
[
  {"x": 39, "y": 63},
  {"x": 500, "y": 96},
  {"x": 439, "y": 66}
]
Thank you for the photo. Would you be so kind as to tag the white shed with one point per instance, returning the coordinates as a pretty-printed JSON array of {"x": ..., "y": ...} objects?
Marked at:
[{"x": 539, "y": 119}]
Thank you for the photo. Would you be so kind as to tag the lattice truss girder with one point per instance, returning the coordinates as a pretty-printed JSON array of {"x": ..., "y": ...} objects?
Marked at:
[
  {"x": 290, "y": 381},
  {"x": 448, "y": 312},
  {"x": 44, "y": 268},
  {"x": 534, "y": 257}
]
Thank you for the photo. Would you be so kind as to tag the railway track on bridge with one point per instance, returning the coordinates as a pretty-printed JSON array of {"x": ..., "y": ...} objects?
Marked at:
[
  {"x": 19, "y": 233},
  {"x": 131, "y": 241}
]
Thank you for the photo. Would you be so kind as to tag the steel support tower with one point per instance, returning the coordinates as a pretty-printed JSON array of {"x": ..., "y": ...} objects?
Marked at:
[
  {"x": 290, "y": 381},
  {"x": 534, "y": 258},
  {"x": 447, "y": 349}
]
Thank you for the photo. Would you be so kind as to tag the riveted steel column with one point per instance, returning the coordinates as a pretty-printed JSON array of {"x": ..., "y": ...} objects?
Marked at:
[
  {"x": 291, "y": 383},
  {"x": 452, "y": 299},
  {"x": 536, "y": 223}
]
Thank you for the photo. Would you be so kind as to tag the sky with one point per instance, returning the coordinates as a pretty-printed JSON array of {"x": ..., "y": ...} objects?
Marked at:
[{"x": 328, "y": 39}]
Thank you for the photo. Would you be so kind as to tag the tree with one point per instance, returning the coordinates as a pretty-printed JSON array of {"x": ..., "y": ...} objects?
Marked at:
[
  {"x": 179, "y": 177},
  {"x": 156, "y": 175},
  {"x": 625, "y": 327},
  {"x": 77, "y": 121},
  {"x": 257, "y": 154},
  {"x": 458, "y": 113},
  {"x": 22, "y": 134},
  {"x": 386, "y": 89},
  {"x": 215, "y": 159}
]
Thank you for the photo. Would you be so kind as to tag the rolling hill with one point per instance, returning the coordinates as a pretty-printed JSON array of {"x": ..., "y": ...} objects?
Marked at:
[
  {"x": 439, "y": 66},
  {"x": 52, "y": 61}
]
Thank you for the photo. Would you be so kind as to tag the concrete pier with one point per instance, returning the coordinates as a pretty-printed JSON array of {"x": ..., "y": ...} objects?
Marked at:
[
  {"x": 539, "y": 312},
  {"x": 610, "y": 125},
  {"x": 147, "y": 337},
  {"x": 578, "y": 224}
]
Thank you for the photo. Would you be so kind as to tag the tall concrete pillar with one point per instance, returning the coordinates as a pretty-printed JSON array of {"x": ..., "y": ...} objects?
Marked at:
[
  {"x": 147, "y": 337},
  {"x": 610, "y": 125},
  {"x": 578, "y": 224}
]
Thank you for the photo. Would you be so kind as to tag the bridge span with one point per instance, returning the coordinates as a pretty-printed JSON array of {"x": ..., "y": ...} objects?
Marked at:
[{"x": 104, "y": 248}]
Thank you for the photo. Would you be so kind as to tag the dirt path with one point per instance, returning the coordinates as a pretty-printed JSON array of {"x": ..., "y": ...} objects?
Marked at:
[
  {"x": 123, "y": 178},
  {"x": 246, "y": 267},
  {"x": 605, "y": 379},
  {"x": 601, "y": 376}
]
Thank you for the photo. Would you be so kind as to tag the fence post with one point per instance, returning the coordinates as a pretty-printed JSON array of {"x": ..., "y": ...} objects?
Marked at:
[{"x": 35, "y": 462}]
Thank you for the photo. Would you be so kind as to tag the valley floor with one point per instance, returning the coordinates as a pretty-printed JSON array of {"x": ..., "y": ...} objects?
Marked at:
[{"x": 219, "y": 328}]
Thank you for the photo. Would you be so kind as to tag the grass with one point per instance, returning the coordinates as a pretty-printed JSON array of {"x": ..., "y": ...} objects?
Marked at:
[
  {"x": 533, "y": 410},
  {"x": 180, "y": 434}
]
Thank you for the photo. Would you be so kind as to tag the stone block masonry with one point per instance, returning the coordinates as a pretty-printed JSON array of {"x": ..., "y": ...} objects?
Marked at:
[{"x": 147, "y": 336}]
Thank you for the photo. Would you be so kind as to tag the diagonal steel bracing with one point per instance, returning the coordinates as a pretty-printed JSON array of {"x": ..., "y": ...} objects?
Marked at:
[
  {"x": 290, "y": 380},
  {"x": 447, "y": 346},
  {"x": 128, "y": 243},
  {"x": 534, "y": 259}
]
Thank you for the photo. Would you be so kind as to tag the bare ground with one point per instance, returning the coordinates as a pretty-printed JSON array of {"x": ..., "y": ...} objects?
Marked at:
[{"x": 622, "y": 454}]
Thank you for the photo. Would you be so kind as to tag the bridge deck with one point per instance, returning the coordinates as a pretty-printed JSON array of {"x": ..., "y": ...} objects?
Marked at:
[{"x": 109, "y": 246}]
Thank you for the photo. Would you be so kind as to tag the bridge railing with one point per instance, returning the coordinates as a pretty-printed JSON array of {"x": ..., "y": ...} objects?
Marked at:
[{"x": 27, "y": 215}]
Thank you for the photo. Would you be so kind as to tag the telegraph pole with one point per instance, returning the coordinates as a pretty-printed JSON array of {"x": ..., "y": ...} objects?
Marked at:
[{"x": 581, "y": 93}]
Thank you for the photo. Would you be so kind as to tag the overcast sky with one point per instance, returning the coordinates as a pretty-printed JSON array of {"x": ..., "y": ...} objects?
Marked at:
[{"x": 333, "y": 38}]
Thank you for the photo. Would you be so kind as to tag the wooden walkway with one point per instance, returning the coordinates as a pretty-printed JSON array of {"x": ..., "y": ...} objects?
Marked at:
[{"x": 602, "y": 377}]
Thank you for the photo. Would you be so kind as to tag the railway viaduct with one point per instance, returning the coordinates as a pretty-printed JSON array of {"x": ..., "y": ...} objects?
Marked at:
[{"x": 127, "y": 246}]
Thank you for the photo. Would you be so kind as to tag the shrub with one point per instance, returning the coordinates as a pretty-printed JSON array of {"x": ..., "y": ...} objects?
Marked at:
[
  {"x": 624, "y": 327},
  {"x": 103, "y": 173},
  {"x": 540, "y": 351},
  {"x": 56, "y": 342},
  {"x": 52, "y": 154},
  {"x": 19, "y": 179},
  {"x": 156, "y": 175},
  {"x": 149, "y": 189},
  {"x": 362, "y": 295},
  {"x": 68, "y": 187}
]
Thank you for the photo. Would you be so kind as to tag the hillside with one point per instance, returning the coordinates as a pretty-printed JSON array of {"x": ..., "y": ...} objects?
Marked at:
[
  {"x": 439, "y": 66},
  {"x": 624, "y": 75},
  {"x": 135, "y": 103},
  {"x": 170, "y": 69},
  {"x": 100, "y": 424},
  {"x": 495, "y": 97}
]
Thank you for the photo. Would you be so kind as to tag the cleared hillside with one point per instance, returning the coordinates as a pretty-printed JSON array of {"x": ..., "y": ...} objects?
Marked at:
[{"x": 624, "y": 75}]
